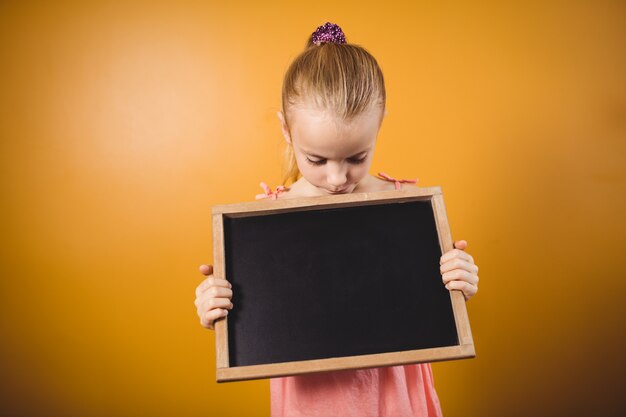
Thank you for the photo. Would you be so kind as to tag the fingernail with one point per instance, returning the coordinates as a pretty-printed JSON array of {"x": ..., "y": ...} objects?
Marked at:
[{"x": 226, "y": 312}]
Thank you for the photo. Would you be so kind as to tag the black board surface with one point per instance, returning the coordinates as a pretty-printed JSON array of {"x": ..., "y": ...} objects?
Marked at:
[{"x": 335, "y": 282}]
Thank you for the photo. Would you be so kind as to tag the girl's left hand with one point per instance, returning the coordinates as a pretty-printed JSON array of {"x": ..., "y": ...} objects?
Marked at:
[{"x": 459, "y": 271}]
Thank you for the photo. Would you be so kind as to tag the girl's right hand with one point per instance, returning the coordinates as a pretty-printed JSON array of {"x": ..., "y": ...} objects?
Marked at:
[{"x": 213, "y": 297}]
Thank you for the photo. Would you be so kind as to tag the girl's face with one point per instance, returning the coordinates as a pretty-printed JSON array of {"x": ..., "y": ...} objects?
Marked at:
[{"x": 333, "y": 155}]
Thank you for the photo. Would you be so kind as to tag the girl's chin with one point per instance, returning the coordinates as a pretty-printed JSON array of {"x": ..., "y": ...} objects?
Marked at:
[{"x": 345, "y": 190}]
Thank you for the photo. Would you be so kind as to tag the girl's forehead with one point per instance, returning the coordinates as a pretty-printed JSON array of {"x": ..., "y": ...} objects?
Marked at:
[
  {"x": 309, "y": 109},
  {"x": 320, "y": 132}
]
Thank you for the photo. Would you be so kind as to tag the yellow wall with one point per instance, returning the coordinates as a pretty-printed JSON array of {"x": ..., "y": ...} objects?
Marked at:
[{"x": 121, "y": 123}]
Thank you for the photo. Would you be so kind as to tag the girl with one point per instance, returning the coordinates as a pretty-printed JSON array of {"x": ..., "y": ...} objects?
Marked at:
[{"x": 333, "y": 103}]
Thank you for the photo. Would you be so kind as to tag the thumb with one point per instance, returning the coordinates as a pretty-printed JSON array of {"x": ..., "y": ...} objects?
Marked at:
[
  {"x": 206, "y": 269},
  {"x": 460, "y": 244}
]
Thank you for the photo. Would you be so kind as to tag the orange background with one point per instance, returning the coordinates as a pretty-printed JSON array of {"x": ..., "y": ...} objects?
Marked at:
[{"x": 122, "y": 123}]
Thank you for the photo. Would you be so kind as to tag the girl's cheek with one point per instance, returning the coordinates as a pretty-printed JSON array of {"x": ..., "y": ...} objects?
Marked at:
[
  {"x": 359, "y": 173},
  {"x": 312, "y": 173}
]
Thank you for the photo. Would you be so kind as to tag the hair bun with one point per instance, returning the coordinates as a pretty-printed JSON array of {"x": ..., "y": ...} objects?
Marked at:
[{"x": 328, "y": 33}]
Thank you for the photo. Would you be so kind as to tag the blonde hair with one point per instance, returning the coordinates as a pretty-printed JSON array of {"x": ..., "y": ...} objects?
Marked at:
[{"x": 343, "y": 78}]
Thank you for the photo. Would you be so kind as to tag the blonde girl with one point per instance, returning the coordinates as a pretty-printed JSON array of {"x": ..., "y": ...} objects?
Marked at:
[{"x": 333, "y": 104}]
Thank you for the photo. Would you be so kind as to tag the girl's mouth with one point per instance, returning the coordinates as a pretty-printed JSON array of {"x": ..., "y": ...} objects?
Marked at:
[{"x": 342, "y": 191}]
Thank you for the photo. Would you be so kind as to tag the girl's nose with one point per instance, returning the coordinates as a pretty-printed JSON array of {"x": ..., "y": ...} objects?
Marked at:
[{"x": 337, "y": 175}]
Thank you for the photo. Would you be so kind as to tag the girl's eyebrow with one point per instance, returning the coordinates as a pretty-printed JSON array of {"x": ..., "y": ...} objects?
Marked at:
[{"x": 353, "y": 156}]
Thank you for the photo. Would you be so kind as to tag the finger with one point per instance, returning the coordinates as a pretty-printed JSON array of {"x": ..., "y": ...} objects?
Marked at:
[
  {"x": 208, "y": 319},
  {"x": 211, "y": 282},
  {"x": 213, "y": 293},
  {"x": 206, "y": 269},
  {"x": 469, "y": 294},
  {"x": 460, "y": 244},
  {"x": 468, "y": 289},
  {"x": 213, "y": 303},
  {"x": 455, "y": 253},
  {"x": 217, "y": 292},
  {"x": 459, "y": 275},
  {"x": 458, "y": 263}
]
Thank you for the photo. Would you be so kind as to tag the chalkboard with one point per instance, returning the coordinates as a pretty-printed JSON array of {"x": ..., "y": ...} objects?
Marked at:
[{"x": 337, "y": 282}]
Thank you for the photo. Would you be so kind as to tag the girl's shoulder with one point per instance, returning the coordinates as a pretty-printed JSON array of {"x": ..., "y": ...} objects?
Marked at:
[
  {"x": 295, "y": 190},
  {"x": 381, "y": 182},
  {"x": 397, "y": 182},
  {"x": 269, "y": 193}
]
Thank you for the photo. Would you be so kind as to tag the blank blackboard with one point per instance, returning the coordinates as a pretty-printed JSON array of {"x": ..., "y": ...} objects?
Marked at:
[{"x": 336, "y": 282}]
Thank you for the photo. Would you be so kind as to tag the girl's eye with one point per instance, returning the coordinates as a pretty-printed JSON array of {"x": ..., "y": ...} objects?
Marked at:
[
  {"x": 354, "y": 161},
  {"x": 357, "y": 161},
  {"x": 320, "y": 162}
]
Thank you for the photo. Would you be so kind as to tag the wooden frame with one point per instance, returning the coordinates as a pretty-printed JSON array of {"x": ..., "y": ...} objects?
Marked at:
[{"x": 464, "y": 348}]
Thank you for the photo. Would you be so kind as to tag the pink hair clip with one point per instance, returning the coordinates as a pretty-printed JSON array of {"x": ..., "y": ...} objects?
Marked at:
[{"x": 328, "y": 33}]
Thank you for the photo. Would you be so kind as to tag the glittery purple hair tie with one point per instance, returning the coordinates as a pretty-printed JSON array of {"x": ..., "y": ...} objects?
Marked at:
[{"x": 328, "y": 33}]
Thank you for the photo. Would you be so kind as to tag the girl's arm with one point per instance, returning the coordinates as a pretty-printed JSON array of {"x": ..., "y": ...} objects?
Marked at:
[{"x": 458, "y": 270}]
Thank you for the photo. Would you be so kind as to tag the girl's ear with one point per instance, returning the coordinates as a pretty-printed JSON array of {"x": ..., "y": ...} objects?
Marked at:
[{"x": 284, "y": 127}]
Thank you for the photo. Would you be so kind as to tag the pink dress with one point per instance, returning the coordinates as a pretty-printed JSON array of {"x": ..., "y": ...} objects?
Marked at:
[{"x": 395, "y": 391}]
